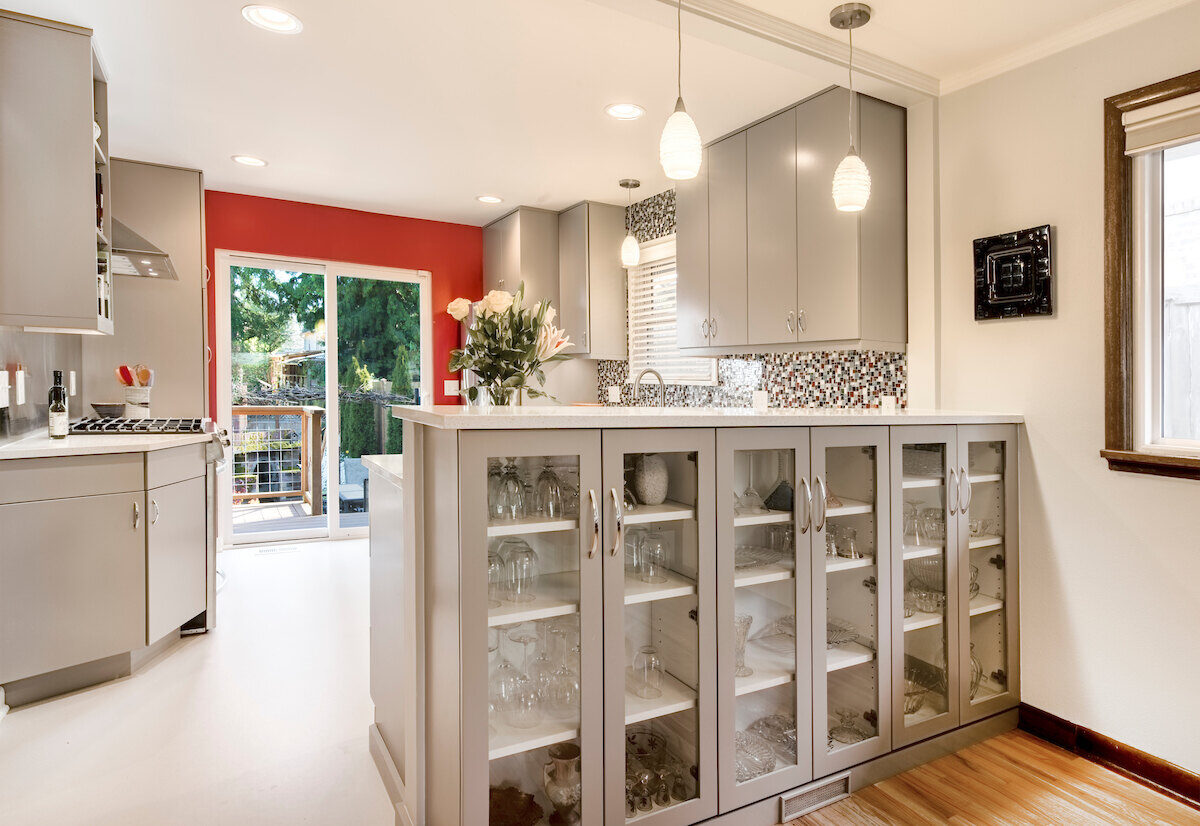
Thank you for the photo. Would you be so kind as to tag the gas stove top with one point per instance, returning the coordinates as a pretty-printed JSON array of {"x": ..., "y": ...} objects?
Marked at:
[{"x": 139, "y": 426}]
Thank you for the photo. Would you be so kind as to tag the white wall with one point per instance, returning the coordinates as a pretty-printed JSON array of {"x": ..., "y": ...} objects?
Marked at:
[{"x": 1110, "y": 562}]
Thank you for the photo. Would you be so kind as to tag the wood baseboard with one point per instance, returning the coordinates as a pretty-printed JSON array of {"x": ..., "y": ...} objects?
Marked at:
[{"x": 1154, "y": 772}]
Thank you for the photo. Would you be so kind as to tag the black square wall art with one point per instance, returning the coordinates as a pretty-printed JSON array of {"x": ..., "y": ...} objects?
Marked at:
[{"x": 1013, "y": 276}]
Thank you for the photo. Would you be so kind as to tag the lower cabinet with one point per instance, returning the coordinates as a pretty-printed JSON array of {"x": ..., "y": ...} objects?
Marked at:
[
  {"x": 176, "y": 556},
  {"x": 668, "y": 625},
  {"x": 72, "y": 582}
]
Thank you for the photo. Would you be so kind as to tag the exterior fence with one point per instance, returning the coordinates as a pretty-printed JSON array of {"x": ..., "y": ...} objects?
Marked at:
[{"x": 277, "y": 452}]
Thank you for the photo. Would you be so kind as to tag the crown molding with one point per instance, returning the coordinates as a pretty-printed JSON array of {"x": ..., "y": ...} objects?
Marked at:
[
  {"x": 826, "y": 48},
  {"x": 1098, "y": 26}
]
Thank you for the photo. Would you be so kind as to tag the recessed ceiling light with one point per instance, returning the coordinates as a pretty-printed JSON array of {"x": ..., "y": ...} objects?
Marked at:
[
  {"x": 488, "y": 199},
  {"x": 145, "y": 260},
  {"x": 624, "y": 111},
  {"x": 272, "y": 19},
  {"x": 248, "y": 160}
]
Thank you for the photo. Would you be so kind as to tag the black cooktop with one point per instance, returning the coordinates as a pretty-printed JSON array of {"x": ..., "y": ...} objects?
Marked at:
[{"x": 138, "y": 426}]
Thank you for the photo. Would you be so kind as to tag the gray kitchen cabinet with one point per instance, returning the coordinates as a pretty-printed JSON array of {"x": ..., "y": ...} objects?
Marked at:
[
  {"x": 727, "y": 287},
  {"x": 522, "y": 247},
  {"x": 771, "y": 229},
  {"x": 52, "y": 87},
  {"x": 591, "y": 280},
  {"x": 72, "y": 582},
  {"x": 176, "y": 556},
  {"x": 691, "y": 259},
  {"x": 883, "y": 225}
]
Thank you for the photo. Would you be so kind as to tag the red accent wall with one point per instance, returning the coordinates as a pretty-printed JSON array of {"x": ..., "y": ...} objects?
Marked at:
[{"x": 453, "y": 253}]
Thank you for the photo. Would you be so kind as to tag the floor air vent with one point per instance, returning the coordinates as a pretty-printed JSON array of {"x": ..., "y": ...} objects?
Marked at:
[{"x": 813, "y": 796}]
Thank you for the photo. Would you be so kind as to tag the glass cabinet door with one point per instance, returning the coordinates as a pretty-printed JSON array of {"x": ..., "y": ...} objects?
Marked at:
[
  {"x": 987, "y": 576},
  {"x": 659, "y": 641},
  {"x": 764, "y": 639},
  {"x": 925, "y": 500},
  {"x": 531, "y": 626},
  {"x": 851, "y": 630}
]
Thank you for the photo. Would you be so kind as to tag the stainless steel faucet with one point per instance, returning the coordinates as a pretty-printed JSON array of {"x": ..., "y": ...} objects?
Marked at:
[{"x": 662, "y": 385}]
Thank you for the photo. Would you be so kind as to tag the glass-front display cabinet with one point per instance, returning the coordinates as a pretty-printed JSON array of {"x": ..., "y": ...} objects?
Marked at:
[
  {"x": 851, "y": 625},
  {"x": 532, "y": 627},
  {"x": 659, "y": 627},
  {"x": 764, "y": 643},
  {"x": 987, "y": 576},
  {"x": 926, "y": 493}
]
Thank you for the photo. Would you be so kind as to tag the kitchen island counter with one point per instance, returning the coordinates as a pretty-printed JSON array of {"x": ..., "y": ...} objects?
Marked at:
[{"x": 40, "y": 445}]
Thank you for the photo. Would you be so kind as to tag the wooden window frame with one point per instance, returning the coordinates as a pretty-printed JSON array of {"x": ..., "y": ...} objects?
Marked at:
[{"x": 1120, "y": 448}]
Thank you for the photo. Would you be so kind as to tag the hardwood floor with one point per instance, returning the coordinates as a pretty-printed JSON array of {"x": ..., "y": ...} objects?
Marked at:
[{"x": 1011, "y": 779}]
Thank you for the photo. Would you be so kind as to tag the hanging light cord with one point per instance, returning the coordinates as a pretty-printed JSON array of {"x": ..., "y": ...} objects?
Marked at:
[
  {"x": 679, "y": 47},
  {"x": 850, "y": 75}
]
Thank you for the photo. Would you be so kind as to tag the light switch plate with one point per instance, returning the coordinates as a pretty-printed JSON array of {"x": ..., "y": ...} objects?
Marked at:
[
  {"x": 19, "y": 386},
  {"x": 614, "y": 394},
  {"x": 3, "y": 389},
  {"x": 71, "y": 381},
  {"x": 451, "y": 387}
]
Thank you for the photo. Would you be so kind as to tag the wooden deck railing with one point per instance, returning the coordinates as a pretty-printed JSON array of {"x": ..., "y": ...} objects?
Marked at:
[{"x": 275, "y": 445}]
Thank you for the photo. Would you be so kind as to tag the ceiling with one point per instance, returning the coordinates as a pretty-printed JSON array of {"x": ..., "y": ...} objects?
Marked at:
[{"x": 414, "y": 108}]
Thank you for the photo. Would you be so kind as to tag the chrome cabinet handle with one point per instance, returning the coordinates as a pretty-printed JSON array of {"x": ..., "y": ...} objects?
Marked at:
[
  {"x": 712, "y": 327},
  {"x": 619, "y": 540},
  {"x": 790, "y": 324},
  {"x": 595, "y": 524},
  {"x": 137, "y": 515},
  {"x": 820, "y": 497},
  {"x": 952, "y": 494},
  {"x": 800, "y": 322},
  {"x": 964, "y": 481},
  {"x": 154, "y": 509},
  {"x": 704, "y": 328},
  {"x": 806, "y": 523}
]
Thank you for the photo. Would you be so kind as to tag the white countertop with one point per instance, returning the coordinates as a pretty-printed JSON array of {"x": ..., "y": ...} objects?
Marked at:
[
  {"x": 391, "y": 466},
  {"x": 459, "y": 417},
  {"x": 40, "y": 445}
]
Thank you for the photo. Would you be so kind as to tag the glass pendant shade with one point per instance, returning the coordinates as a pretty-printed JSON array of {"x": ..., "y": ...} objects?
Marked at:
[
  {"x": 851, "y": 183},
  {"x": 679, "y": 150},
  {"x": 631, "y": 254}
]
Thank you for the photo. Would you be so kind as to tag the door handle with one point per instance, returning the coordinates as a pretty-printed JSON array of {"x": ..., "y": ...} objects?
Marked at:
[
  {"x": 820, "y": 503},
  {"x": 154, "y": 512},
  {"x": 137, "y": 515},
  {"x": 800, "y": 321},
  {"x": 619, "y": 540},
  {"x": 595, "y": 524},
  {"x": 964, "y": 482},
  {"x": 704, "y": 328},
  {"x": 806, "y": 523},
  {"x": 952, "y": 490},
  {"x": 790, "y": 324},
  {"x": 712, "y": 327}
]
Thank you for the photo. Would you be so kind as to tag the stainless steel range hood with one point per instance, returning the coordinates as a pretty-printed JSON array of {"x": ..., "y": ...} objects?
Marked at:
[{"x": 134, "y": 255}]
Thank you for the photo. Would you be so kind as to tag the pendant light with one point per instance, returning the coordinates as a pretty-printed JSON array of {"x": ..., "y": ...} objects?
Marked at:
[
  {"x": 679, "y": 148},
  {"x": 631, "y": 253},
  {"x": 851, "y": 180}
]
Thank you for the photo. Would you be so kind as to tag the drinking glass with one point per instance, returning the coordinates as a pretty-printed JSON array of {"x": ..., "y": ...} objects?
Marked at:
[
  {"x": 633, "y": 549},
  {"x": 549, "y": 493},
  {"x": 541, "y": 670},
  {"x": 495, "y": 476},
  {"x": 933, "y": 523},
  {"x": 496, "y": 569},
  {"x": 751, "y": 501},
  {"x": 781, "y": 538},
  {"x": 647, "y": 673},
  {"x": 521, "y": 564},
  {"x": 653, "y": 557},
  {"x": 524, "y": 707},
  {"x": 564, "y": 684},
  {"x": 511, "y": 493},
  {"x": 912, "y": 524},
  {"x": 848, "y": 547},
  {"x": 502, "y": 684},
  {"x": 831, "y": 535},
  {"x": 741, "y": 630}
]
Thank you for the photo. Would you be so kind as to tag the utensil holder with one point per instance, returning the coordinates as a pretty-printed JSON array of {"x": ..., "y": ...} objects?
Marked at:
[{"x": 137, "y": 402}]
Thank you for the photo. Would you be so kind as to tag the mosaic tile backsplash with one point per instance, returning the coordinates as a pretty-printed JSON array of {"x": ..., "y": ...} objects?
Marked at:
[{"x": 816, "y": 379}]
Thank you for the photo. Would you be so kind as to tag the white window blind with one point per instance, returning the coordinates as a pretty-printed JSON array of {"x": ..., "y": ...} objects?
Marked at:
[
  {"x": 1162, "y": 125},
  {"x": 652, "y": 321}
]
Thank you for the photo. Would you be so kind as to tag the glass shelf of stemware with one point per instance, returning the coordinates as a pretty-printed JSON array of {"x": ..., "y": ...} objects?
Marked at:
[
  {"x": 532, "y": 524},
  {"x": 555, "y": 595}
]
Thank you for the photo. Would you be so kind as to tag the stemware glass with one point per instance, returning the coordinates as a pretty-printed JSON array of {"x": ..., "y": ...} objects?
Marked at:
[
  {"x": 741, "y": 630},
  {"x": 933, "y": 523},
  {"x": 648, "y": 673},
  {"x": 541, "y": 670},
  {"x": 511, "y": 493},
  {"x": 848, "y": 548},
  {"x": 831, "y": 541},
  {"x": 495, "y": 475},
  {"x": 521, "y": 565},
  {"x": 549, "y": 493},
  {"x": 496, "y": 569},
  {"x": 847, "y": 730},
  {"x": 912, "y": 524},
  {"x": 502, "y": 684},
  {"x": 564, "y": 682},
  {"x": 652, "y": 557},
  {"x": 976, "y": 673},
  {"x": 751, "y": 501},
  {"x": 524, "y": 707}
]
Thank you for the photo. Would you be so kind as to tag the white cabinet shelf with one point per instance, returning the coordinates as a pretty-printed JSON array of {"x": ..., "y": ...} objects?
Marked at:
[
  {"x": 555, "y": 595},
  {"x": 840, "y": 564},
  {"x": 845, "y": 656},
  {"x": 982, "y": 604},
  {"x": 676, "y": 585},
  {"x": 771, "y": 668},
  {"x": 920, "y": 551},
  {"x": 985, "y": 541},
  {"x": 768, "y": 518},
  {"x": 921, "y": 620},
  {"x": 766, "y": 573},
  {"x": 675, "y": 697},
  {"x": 980, "y": 478},
  {"x": 849, "y": 507},
  {"x": 508, "y": 741},
  {"x": 921, "y": 481},
  {"x": 534, "y": 524},
  {"x": 666, "y": 512}
]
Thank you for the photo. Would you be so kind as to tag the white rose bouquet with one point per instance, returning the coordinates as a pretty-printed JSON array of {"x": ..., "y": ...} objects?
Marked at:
[{"x": 509, "y": 345}]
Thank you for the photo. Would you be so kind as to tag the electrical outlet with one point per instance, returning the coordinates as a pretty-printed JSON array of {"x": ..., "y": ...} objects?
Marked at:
[
  {"x": 71, "y": 381},
  {"x": 451, "y": 387},
  {"x": 614, "y": 394},
  {"x": 19, "y": 386}
]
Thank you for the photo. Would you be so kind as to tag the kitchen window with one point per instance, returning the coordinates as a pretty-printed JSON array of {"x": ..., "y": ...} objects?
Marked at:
[
  {"x": 652, "y": 321},
  {"x": 1152, "y": 279}
]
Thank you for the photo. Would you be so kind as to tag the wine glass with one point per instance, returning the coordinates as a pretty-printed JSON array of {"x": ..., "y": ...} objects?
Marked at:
[
  {"x": 521, "y": 565},
  {"x": 741, "y": 630},
  {"x": 549, "y": 493},
  {"x": 564, "y": 686},
  {"x": 511, "y": 493},
  {"x": 524, "y": 708},
  {"x": 495, "y": 477},
  {"x": 751, "y": 501},
  {"x": 648, "y": 673},
  {"x": 502, "y": 684},
  {"x": 496, "y": 569},
  {"x": 652, "y": 557},
  {"x": 541, "y": 670}
]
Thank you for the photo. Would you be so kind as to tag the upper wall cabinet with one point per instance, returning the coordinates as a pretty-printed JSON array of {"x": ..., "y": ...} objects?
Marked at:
[
  {"x": 765, "y": 259},
  {"x": 54, "y": 216},
  {"x": 591, "y": 280},
  {"x": 522, "y": 246}
]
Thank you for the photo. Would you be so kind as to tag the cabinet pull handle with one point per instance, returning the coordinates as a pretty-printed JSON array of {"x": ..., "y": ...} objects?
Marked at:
[
  {"x": 619, "y": 540},
  {"x": 964, "y": 482},
  {"x": 704, "y": 328},
  {"x": 137, "y": 515},
  {"x": 800, "y": 322},
  {"x": 820, "y": 497},
  {"x": 595, "y": 524},
  {"x": 806, "y": 522},
  {"x": 790, "y": 325},
  {"x": 712, "y": 327},
  {"x": 952, "y": 493},
  {"x": 154, "y": 510}
]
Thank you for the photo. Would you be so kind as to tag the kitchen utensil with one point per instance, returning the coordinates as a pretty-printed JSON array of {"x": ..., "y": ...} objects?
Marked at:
[
  {"x": 741, "y": 630},
  {"x": 563, "y": 783},
  {"x": 780, "y": 731},
  {"x": 109, "y": 410},
  {"x": 754, "y": 556},
  {"x": 752, "y": 756},
  {"x": 125, "y": 375},
  {"x": 847, "y": 730},
  {"x": 142, "y": 374},
  {"x": 648, "y": 673},
  {"x": 839, "y": 632}
]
